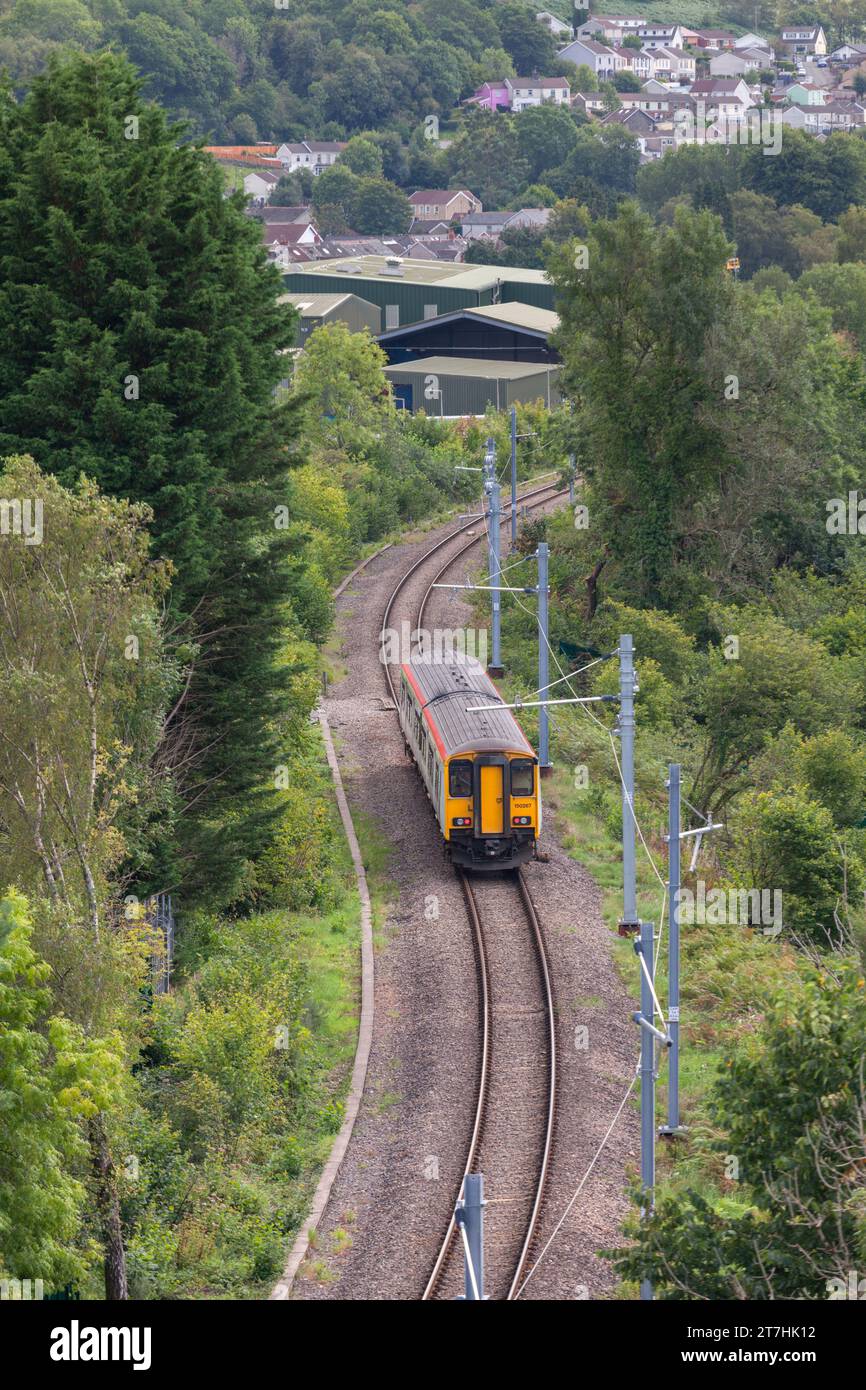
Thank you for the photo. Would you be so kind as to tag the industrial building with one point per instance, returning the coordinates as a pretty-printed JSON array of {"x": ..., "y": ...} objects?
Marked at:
[
  {"x": 453, "y": 386},
  {"x": 510, "y": 332},
  {"x": 409, "y": 291},
  {"x": 316, "y": 309}
]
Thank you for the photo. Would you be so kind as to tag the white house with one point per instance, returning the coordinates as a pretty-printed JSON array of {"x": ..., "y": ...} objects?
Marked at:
[
  {"x": 603, "y": 60},
  {"x": 314, "y": 155},
  {"x": 661, "y": 63},
  {"x": 736, "y": 64},
  {"x": 681, "y": 65},
  {"x": 728, "y": 97},
  {"x": 752, "y": 41},
  {"x": 637, "y": 61},
  {"x": 611, "y": 26},
  {"x": 821, "y": 120},
  {"x": 848, "y": 52},
  {"x": 763, "y": 59},
  {"x": 556, "y": 26},
  {"x": 536, "y": 91},
  {"x": 804, "y": 39},
  {"x": 260, "y": 183},
  {"x": 661, "y": 35}
]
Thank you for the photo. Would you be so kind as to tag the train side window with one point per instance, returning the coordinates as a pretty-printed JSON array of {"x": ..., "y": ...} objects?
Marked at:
[
  {"x": 460, "y": 779},
  {"x": 522, "y": 780}
]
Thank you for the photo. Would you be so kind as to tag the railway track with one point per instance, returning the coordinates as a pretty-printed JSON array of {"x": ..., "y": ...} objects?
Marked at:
[
  {"x": 512, "y": 1130},
  {"x": 512, "y": 1134},
  {"x": 538, "y": 497}
]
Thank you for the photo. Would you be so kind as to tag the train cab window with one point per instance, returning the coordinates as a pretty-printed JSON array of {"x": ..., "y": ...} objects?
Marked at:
[
  {"x": 522, "y": 781},
  {"x": 460, "y": 779}
]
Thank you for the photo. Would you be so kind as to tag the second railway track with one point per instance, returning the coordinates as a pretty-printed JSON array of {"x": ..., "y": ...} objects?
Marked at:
[{"x": 512, "y": 1131}]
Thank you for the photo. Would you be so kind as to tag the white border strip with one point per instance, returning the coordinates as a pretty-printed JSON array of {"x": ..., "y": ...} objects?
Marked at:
[{"x": 365, "y": 1035}]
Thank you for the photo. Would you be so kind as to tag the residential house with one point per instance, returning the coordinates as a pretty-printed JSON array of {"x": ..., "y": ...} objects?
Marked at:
[
  {"x": 432, "y": 250},
  {"x": 739, "y": 62},
  {"x": 655, "y": 146},
  {"x": 661, "y": 36},
  {"x": 849, "y": 53},
  {"x": 822, "y": 120},
  {"x": 656, "y": 86},
  {"x": 276, "y": 215},
  {"x": 761, "y": 58},
  {"x": 603, "y": 60},
  {"x": 314, "y": 155},
  {"x": 804, "y": 40},
  {"x": 449, "y": 204},
  {"x": 493, "y": 96},
  {"x": 612, "y": 27},
  {"x": 291, "y": 243},
  {"x": 260, "y": 183},
  {"x": 637, "y": 61},
  {"x": 729, "y": 64},
  {"x": 635, "y": 121},
  {"x": 661, "y": 63},
  {"x": 434, "y": 229},
  {"x": 535, "y": 91},
  {"x": 673, "y": 63},
  {"x": 715, "y": 39},
  {"x": 656, "y": 103},
  {"x": 477, "y": 225},
  {"x": 556, "y": 26},
  {"x": 588, "y": 103},
  {"x": 728, "y": 98},
  {"x": 537, "y": 218},
  {"x": 804, "y": 94},
  {"x": 752, "y": 41}
]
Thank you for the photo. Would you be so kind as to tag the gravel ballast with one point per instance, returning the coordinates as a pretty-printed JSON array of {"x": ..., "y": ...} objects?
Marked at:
[{"x": 395, "y": 1189}]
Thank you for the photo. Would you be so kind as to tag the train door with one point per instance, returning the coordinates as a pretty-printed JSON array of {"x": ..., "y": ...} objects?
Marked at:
[{"x": 492, "y": 799}]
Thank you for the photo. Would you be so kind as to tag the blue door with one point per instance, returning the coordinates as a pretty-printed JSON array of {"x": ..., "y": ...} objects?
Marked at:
[{"x": 403, "y": 396}]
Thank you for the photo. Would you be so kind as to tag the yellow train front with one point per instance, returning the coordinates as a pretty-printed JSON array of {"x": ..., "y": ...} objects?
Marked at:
[{"x": 480, "y": 773}]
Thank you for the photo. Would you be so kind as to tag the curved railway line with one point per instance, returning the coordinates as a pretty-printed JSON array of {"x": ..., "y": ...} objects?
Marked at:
[{"x": 512, "y": 1131}]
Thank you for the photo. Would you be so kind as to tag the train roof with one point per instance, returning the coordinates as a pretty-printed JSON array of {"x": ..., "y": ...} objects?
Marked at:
[{"x": 445, "y": 689}]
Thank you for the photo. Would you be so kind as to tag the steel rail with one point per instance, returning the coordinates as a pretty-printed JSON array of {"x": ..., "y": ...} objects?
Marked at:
[
  {"x": 552, "y": 488},
  {"x": 484, "y": 994}
]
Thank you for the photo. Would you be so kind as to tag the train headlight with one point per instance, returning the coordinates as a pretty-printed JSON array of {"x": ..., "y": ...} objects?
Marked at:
[
  {"x": 462, "y": 820},
  {"x": 521, "y": 820}
]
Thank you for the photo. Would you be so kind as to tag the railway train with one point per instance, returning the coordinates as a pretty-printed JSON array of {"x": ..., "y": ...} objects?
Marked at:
[{"x": 480, "y": 773}]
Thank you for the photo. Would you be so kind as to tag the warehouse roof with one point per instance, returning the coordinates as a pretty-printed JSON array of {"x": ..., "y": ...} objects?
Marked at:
[
  {"x": 476, "y": 277},
  {"x": 472, "y": 366},
  {"x": 524, "y": 317},
  {"x": 519, "y": 315},
  {"x": 314, "y": 305}
]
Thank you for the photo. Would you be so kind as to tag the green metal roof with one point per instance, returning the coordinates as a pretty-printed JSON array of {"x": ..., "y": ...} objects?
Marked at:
[
  {"x": 519, "y": 315},
  {"x": 315, "y": 305},
  {"x": 410, "y": 271}
]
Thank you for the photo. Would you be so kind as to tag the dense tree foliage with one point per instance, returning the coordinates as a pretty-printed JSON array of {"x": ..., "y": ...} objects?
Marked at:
[
  {"x": 247, "y": 70},
  {"x": 149, "y": 364}
]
